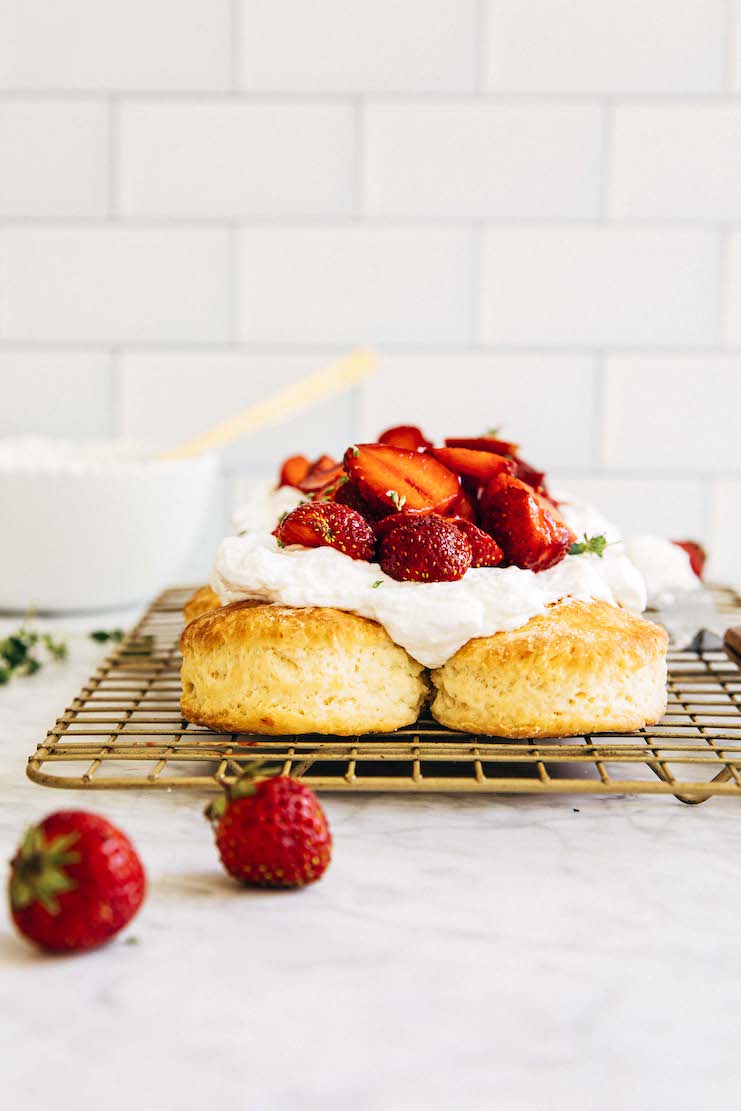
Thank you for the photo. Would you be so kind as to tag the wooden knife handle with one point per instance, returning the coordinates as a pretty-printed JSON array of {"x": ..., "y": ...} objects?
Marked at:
[{"x": 732, "y": 641}]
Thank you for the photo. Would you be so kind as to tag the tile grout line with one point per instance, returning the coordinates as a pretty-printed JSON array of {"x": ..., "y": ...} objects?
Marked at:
[
  {"x": 481, "y": 22},
  {"x": 115, "y": 391},
  {"x": 400, "y": 96},
  {"x": 723, "y": 247},
  {"x": 599, "y": 412},
  {"x": 729, "y": 37},
  {"x": 413, "y": 349},
  {"x": 606, "y": 159},
  {"x": 234, "y": 284},
  {"x": 235, "y": 29},
  {"x": 113, "y": 157},
  {"x": 384, "y": 223},
  {"x": 476, "y": 299},
  {"x": 708, "y": 486},
  {"x": 358, "y": 159}
]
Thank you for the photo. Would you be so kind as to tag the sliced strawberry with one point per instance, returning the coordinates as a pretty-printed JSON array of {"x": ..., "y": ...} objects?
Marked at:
[
  {"x": 484, "y": 443},
  {"x": 464, "y": 507},
  {"x": 481, "y": 465},
  {"x": 323, "y": 472},
  {"x": 406, "y": 436},
  {"x": 294, "y": 470},
  {"x": 425, "y": 549},
  {"x": 530, "y": 475},
  {"x": 328, "y": 525},
  {"x": 485, "y": 550},
  {"x": 525, "y": 529},
  {"x": 696, "y": 552},
  {"x": 392, "y": 478}
]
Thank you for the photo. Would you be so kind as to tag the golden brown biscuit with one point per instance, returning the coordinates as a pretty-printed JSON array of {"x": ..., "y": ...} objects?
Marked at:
[
  {"x": 583, "y": 667},
  {"x": 202, "y": 601},
  {"x": 252, "y": 668}
]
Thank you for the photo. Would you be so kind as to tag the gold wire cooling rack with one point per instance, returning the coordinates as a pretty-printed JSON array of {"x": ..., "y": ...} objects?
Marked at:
[{"x": 124, "y": 730}]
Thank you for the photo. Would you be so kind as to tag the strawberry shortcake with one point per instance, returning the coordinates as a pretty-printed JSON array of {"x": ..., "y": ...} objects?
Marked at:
[{"x": 409, "y": 573}]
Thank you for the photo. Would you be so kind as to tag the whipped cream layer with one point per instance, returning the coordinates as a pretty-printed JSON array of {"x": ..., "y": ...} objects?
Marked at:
[
  {"x": 665, "y": 567},
  {"x": 430, "y": 620}
]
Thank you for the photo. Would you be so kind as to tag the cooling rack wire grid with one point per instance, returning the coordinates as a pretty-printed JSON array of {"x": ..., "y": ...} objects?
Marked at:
[{"x": 124, "y": 730}]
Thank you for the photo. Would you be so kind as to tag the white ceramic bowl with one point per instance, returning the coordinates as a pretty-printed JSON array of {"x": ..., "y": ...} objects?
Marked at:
[{"x": 88, "y": 527}]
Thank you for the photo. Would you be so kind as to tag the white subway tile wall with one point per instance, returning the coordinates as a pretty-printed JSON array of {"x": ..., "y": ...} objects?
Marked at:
[{"x": 531, "y": 209}]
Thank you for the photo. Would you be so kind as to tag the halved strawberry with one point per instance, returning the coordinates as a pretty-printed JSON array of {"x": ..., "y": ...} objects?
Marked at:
[
  {"x": 696, "y": 552},
  {"x": 525, "y": 529},
  {"x": 322, "y": 473},
  {"x": 328, "y": 525},
  {"x": 485, "y": 550},
  {"x": 484, "y": 443},
  {"x": 392, "y": 478},
  {"x": 294, "y": 470},
  {"x": 425, "y": 549},
  {"x": 481, "y": 465},
  {"x": 406, "y": 436}
]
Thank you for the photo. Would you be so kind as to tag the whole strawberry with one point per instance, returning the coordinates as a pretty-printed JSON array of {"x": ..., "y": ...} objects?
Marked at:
[
  {"x": 271, "y": 832},
  {"x": 75, "y": 881},
  {"x": 425, "y": 549}
]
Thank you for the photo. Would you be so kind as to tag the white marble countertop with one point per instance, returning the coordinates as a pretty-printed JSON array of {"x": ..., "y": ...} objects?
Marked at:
[{"x": 460, "y": 953}]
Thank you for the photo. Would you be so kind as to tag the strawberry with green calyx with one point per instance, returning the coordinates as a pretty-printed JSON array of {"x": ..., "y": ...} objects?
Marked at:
[
  {"x": 75, "y": 881},
  {"x": 270, "y": 830}
]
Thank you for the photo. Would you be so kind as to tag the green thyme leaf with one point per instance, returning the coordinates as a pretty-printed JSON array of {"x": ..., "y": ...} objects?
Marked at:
[
  {"x": 57, "y": 649},
  {"x": 17, "y": 655},
  {"x": 355, "y": 450},
  {"x": 376, "y": 584},
  {"x": 104, "y": 635},
  {"x": 399, "y": 500},
  {"x": 595, "y": 545},
  {"x": 14, "y": 650}
]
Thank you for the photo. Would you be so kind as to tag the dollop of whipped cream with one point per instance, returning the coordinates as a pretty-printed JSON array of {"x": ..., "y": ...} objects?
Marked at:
[
  {"x": 665, "y": 567},
  {"x": 430, "y": 620}
]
